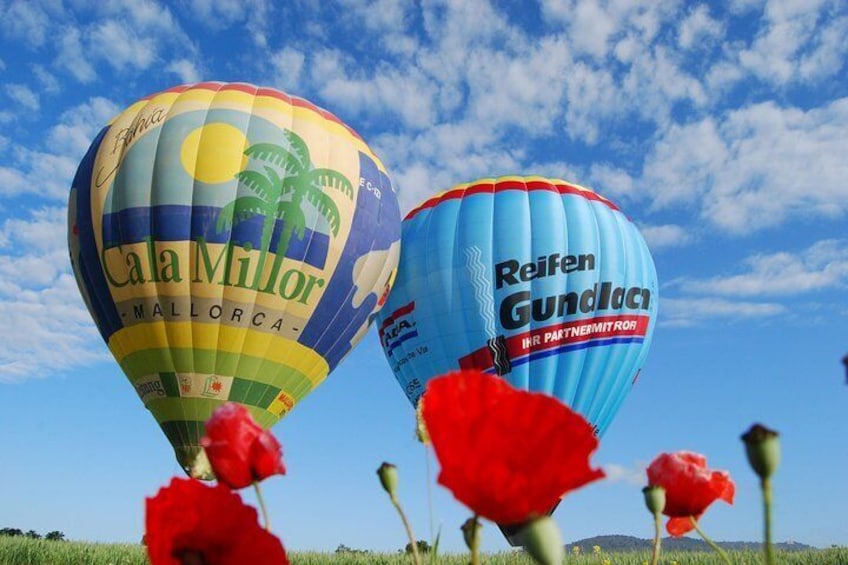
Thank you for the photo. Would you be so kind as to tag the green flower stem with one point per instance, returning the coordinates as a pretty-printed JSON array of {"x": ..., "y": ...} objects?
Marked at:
[
  {"x": 415, "y": 557},
  {"x": 475, "y": 547},
  {"x": 769, "y": 548},
  {"x": 710, "y": 542},
  {"x": 655, "y": 558},
  {"x": 265, "y": 519}
]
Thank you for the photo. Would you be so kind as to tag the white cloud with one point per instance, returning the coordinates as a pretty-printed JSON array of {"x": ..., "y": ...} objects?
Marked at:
[
  {"x": 631, "y": 475},
  {"x": 756, "y": 167},
  {"x": 665, "y": 236},
  {"x": 44, "y": 174},
  {"x": 611, "y": 182},
  {"x": 591, "y": 28},
  {"x": 387, "y": 21},
  {"x": 24, "y": 21},
  {"x": 780, "y": 53},
  {"x": 24, "y": 96},
  {"x": 47, "y": 81},
  {"x": 593, "y": 97},
  {"x": 45, "y": 330},
  {"x": 219, "y": 13},
  {"x": 740, "y": 7},
  {"x": 71, "y": 55},
  {"x": 499, "y": 92},
  {"x": 49, "y": 174},
  {"x": 681, "y": 165},
  {"x": 223, "y": 14},
  {"x": 46, "y": 326},
  {"x": 121, "y": 46},
  {"x": 12, "y": 181},
  {"x": 782, "y": 162},
  {"x": 37, "y": 234},
  {"x": 127, "y": 35},
  {"x": 697, "y": 27},
  {"x": 287, "y": 64},
  {"x": 683, "y": 312},
  {"x": 823, "y": 265},
  {"x": 826, "y": 58},
  {"x": 185, "y": 70},
  {"x": 407, "y": 93},
  {"x": 657, "y": 81},
  {"x": 79, "y": 125}
]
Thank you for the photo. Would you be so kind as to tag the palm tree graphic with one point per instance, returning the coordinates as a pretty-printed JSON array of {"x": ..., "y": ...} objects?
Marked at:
[{"x": 289, "y": 182}]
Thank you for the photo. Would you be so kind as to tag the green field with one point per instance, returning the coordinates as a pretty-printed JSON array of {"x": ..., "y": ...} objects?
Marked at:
[{"x": 25, "y": 551}]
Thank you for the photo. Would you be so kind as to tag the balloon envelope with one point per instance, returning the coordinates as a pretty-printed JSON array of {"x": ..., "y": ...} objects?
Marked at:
[
  {"x": 231, "y": 243},
  {"x": 541, "y": 281}
]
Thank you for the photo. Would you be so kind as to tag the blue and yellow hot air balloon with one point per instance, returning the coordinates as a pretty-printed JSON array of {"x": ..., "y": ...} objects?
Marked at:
[
  {"x": 541, "y": 281},
  {"x": 231, "y": 243}
]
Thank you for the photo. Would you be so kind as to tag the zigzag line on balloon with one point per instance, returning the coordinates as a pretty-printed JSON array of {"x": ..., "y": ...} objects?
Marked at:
[{"x": 482, "y": 287}]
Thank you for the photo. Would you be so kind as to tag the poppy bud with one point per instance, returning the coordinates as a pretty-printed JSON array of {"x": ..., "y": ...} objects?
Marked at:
[
  {"x": 654, "y": 498},
  {"x": 388, "y": 478},
  {"x": 471, "y": 533},
  {"x": 542, "y": 540},
  {"x": 762, "y": 446}
]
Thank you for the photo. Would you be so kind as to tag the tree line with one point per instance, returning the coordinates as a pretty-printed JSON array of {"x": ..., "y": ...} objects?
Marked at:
[{"x": 54, "y": 535}]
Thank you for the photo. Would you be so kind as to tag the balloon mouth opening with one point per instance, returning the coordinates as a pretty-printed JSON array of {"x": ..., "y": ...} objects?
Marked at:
[
  {"x": 512, "y": 533},
  {"x": 187, "y": 458}
]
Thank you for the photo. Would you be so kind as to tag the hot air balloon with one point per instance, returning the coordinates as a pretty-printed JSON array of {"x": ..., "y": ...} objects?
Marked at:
[
  {"x": 232, "y": 243},
  {"x": 541, "y": 281}
]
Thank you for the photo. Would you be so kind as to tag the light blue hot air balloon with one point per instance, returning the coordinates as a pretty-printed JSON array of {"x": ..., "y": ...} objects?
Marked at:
[
  {"x": 540, "y": 281},
  {"x": 543, "y": 282}
]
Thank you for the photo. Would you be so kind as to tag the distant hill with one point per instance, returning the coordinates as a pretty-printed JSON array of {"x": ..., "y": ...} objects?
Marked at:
[{"x": 630, "y": 543}]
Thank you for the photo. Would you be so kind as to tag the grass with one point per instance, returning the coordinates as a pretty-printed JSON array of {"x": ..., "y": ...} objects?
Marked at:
[{"x": 25, "y": 551}]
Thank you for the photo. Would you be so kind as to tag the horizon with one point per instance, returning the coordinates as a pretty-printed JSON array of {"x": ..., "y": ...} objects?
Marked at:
[{"x": 718, "y": 129}]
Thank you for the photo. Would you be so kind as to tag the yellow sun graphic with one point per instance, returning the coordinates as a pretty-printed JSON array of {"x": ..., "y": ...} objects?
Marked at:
[{"x": 214, "y": 152}]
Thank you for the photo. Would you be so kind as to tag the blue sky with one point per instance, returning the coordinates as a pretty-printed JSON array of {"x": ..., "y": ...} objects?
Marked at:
[{"x": 719, "y": 128}]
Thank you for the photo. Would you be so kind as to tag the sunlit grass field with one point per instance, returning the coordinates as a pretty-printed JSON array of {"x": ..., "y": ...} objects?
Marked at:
[{"x": 25, "y": 551}]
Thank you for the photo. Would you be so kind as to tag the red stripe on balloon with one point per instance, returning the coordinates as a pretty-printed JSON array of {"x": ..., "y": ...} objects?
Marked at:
[
  {"x": 400, "y": 312},
  {"x": 509, "y": 184},
  {"x": 552, "y": 337}
]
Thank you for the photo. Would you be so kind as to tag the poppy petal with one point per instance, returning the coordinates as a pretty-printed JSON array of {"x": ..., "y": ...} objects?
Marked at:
[
  {"x": 239, "y": 450},
  {"x": 188, "y": 518},
  {"x": 507, "y": 454},
  {"x": 690, "y": 487},
  {"x": 679, "y": 526}
]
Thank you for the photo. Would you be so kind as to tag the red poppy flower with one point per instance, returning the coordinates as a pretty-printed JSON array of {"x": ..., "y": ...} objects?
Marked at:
[
  {"x": 507, "y": 454},
  {"x": 689, "y": 487},
  {"x": 239, "y": 450},
  {"x": 189, "y": 522}
]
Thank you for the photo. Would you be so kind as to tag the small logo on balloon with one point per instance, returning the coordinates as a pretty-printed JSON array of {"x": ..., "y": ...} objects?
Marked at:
[
  {"x": 398, "y": 327},
  {"x": 212, "y": 387}
]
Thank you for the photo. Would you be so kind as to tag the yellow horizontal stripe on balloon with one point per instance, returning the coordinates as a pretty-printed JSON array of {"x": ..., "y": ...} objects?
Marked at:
[
  {"x": 518, "y": 179},
  {"x": 226, "y": 339},
  {"x": 268, "y": 107}
]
